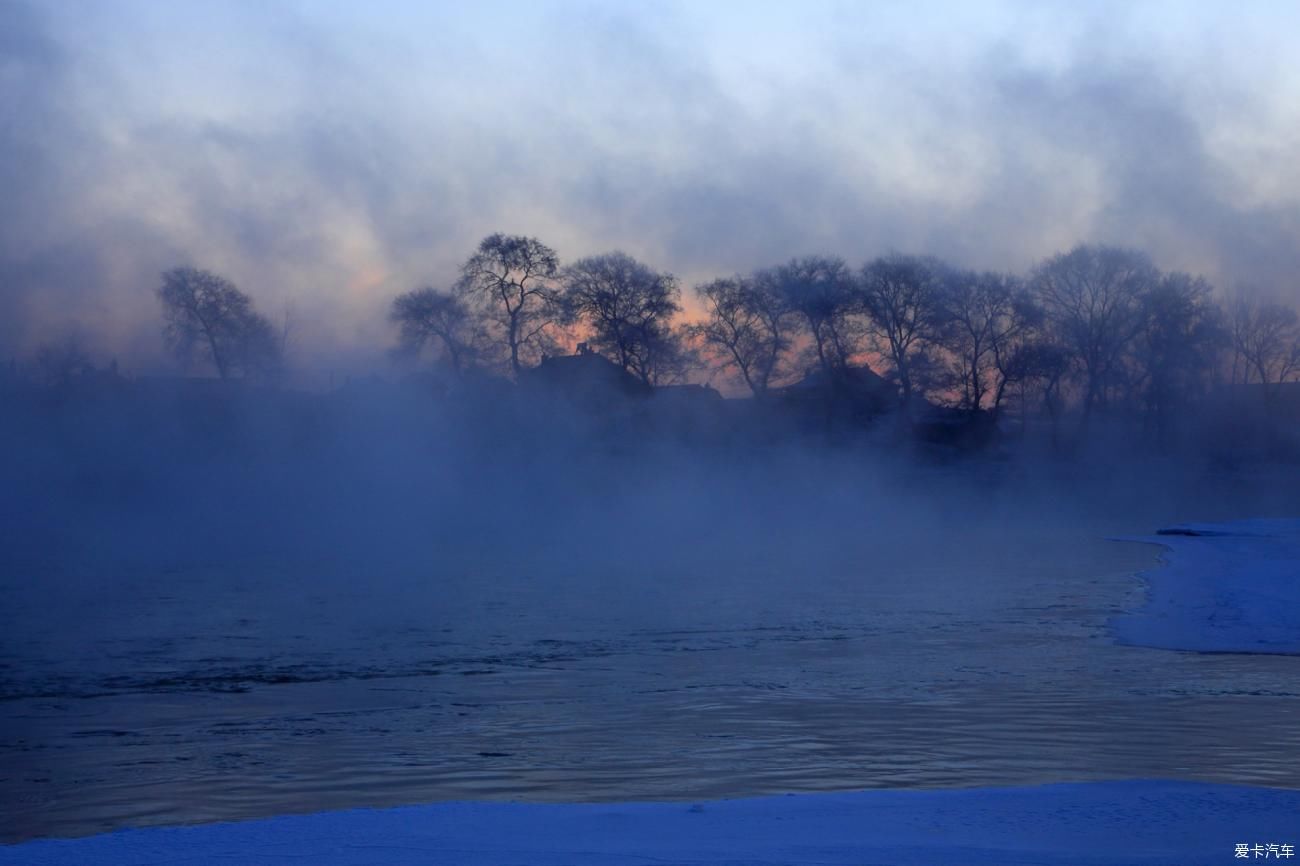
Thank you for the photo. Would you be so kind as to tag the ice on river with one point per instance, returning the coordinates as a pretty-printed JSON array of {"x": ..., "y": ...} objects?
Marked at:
[{"x": 1225, "y": 587}]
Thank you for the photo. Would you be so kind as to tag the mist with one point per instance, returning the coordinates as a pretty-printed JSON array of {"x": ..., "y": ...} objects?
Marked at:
[
  {"x": 580, "y": 402},
  {"x": 327, "y": 161}
]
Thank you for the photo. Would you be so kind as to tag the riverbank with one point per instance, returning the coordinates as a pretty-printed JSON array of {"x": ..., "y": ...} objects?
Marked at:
[{"x": 1130, "y": 822}]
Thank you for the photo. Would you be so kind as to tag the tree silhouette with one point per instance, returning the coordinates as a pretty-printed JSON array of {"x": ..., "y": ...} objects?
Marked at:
[
  {"x": 205, "y": 314},
  {"x": 1266, "y": 336},
  {"x": 1175, "y": 351},
  {"x": 904, "y": 298},
  {"x": 513, "y": 281},
  {"x": 1092, "y": 296},
  {"x": 821, "y": 292},
  {"x": 988, "y": 315},
  {"x": 629, "y": 308},
  {"x": 748, "y": 326},
  {"x": 427, "y": 316}
]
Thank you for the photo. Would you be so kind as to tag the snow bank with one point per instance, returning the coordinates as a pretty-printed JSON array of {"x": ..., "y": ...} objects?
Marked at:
[
  {"x": 1226, "y": 587},
  {"x": 1131, "y": 823}
]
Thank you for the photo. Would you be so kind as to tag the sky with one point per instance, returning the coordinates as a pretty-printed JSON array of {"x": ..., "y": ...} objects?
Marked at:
[{"x": 327, "y": 156}]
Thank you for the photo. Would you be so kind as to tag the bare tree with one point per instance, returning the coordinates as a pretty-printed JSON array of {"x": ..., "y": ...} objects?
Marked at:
[
  {"x": 1266, "y": 338},
  {"x": 1036, "y": 364},
  {"x": 514, "y": 281},
  {"x": 427, "y": 316},
  {"x": 904, "y": 298},
  {"x": 668, "y": 356},
  {"x": 989, "y": 316},
  {"x": 1177, "y": 347},
  {"x": 206, "y": 314},
  {"x": 629, "y": 307},
  {"x": 748, "y": 326},
  {"x": 1092, "y": 296},
  {"x": 820, "y": 291}
]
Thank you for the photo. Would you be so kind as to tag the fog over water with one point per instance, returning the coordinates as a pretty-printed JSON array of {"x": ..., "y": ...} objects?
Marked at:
[{"x": 221, "y": 609}]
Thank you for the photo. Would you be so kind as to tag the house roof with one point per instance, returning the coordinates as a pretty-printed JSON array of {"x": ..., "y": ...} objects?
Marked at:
[{"x": 585, "y": 372}]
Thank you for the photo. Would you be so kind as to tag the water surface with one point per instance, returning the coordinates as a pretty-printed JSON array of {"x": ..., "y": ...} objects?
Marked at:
[{"x": 197, "y": 692}]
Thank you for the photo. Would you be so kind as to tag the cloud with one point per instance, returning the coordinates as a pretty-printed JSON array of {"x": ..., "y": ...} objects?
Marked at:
[{"x": 328, "y": 159}]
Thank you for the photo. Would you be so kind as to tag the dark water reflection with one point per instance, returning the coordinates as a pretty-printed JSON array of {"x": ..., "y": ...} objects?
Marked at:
[{"x": 292, "y": 687}]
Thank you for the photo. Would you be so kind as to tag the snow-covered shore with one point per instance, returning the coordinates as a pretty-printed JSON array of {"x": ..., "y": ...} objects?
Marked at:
[
  {"x": 1131, "y": 823},
  {"x": 1225, "y": 587}
]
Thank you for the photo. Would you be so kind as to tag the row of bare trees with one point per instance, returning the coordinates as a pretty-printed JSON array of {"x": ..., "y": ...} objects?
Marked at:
[
  {"x": 514, "y": 304},
  {"x": 1097, "y": 327}
]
